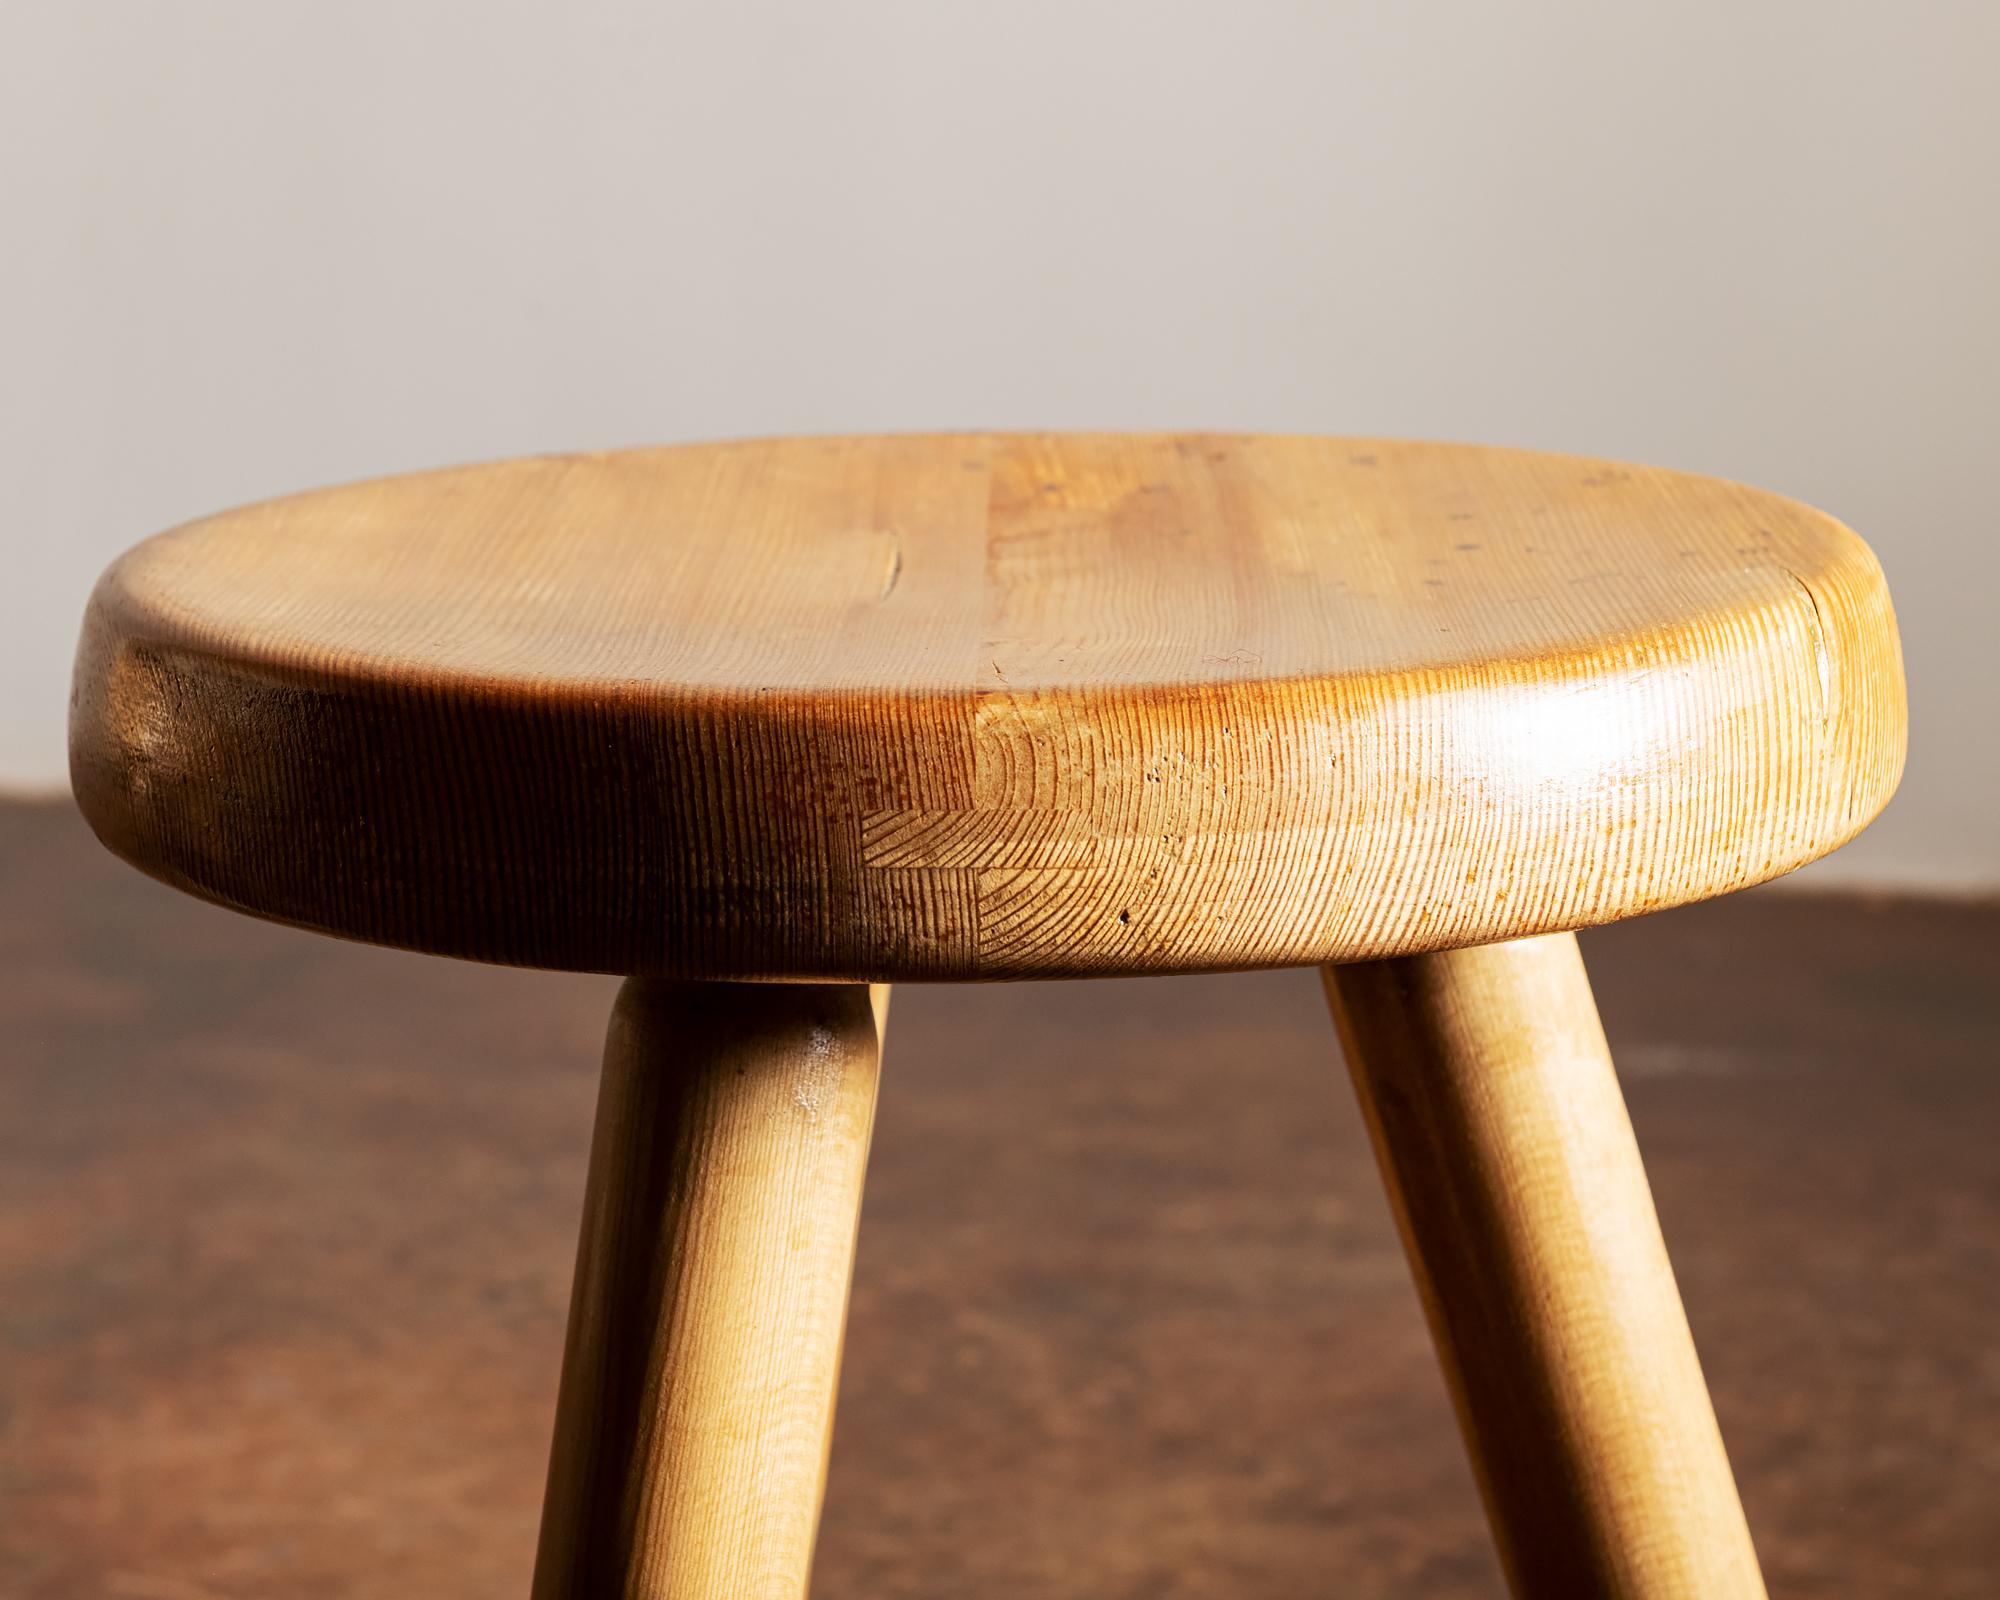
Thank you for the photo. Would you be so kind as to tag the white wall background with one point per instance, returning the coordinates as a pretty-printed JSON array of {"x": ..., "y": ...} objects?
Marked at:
[{"x": 250, "y": 247}]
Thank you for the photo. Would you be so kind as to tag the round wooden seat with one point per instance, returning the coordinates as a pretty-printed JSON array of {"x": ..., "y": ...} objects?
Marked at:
[
  {"x": 988, "y": 706},
  {"x": 965, "y": 706}
]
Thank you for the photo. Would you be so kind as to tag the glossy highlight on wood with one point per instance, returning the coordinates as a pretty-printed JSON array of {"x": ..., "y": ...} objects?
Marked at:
[
  {"x": 1515, "y": 1178},
  {"x": 977, "y": 706}
]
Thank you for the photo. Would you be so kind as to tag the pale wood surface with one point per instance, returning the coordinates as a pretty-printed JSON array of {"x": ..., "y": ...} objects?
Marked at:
[
  {"x": 711, "y": 1292},
  {"x": 1498, "y": 1122},
  {"x": 988, "y": 706}
]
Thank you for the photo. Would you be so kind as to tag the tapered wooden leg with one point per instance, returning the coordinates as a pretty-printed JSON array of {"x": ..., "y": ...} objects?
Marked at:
[
  {"x": 1516, "y": 1181},
  {"x": 711, "y": 1290}
]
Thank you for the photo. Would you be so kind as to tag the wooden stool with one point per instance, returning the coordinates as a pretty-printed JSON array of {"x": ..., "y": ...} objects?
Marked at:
[{"x": 762, "y": 724}]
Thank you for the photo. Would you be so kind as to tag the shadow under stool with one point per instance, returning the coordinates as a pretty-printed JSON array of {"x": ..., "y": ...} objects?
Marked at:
[{"x": 769, "y": 726}]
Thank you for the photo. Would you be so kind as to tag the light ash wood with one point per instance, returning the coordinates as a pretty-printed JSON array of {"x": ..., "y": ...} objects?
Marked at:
[
  {"x": 1516, "y": 1181},
  {"x": 987, "y": 706},
  {"x": 711, "y": 1292}
]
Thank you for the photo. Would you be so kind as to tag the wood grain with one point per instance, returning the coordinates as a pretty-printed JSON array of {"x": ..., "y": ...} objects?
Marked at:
[
  {"x": 1499, "y": 1126},
  {"x": 971, "y": 706},
  {"x": 711, "y": 1291}
]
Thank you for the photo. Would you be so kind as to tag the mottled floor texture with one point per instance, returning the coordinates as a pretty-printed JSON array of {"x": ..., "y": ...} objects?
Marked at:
[{"x": 285, "y": 1236}]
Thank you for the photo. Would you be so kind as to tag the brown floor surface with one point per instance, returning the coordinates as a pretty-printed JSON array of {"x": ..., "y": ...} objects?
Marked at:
[{"x": 285, "y": 1232}]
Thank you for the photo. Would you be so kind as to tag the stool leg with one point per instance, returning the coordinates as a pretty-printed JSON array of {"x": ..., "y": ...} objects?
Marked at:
[
  {"x": 711, "y": 1291},
  {"x": 1516, "y": 1181}
]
